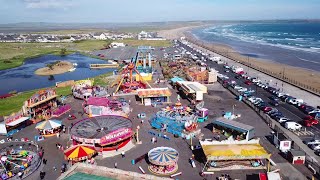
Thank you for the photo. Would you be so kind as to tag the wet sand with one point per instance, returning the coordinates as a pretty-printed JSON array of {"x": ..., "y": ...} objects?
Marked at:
[
  {"x": 60, "y": 68},
  {"x": 303, "y": 78}
]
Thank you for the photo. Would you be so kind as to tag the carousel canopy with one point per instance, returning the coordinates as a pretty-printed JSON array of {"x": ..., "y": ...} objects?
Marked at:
[
  {"x": 163, "y": 156},
  {"x": 79, "y": 152},
  {"x": 50, "y": 124}
]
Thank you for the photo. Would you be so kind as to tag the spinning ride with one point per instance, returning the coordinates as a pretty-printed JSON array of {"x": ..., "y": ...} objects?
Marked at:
[
  {"x": 126, "y": 82},
  {"x": 84, "y": 89},
  {"x": 178, "y": 120},
  {"x": 105, "y": 133},
  {"x": 163, "y": 160},
  {"x": 17, "y": 161},
  {"x": 49, "y": 128}
]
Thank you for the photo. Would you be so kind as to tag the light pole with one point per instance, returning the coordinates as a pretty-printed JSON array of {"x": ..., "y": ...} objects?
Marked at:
[
  {"x": 233, "y": 109},
  {"x": 137, "y": 135}
]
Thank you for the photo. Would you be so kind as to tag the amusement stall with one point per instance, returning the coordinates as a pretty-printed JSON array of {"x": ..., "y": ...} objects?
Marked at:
[
  {"x": 84, "y": 89},
  {"x": 49, "y": 127},
  {"x": 163, "y": 160},
  {"x": 41, "y": 105},
  {"x": 105, "y": 133},
  {"x": 98, "y": 106},
  {"x": 178, "y": 120}
]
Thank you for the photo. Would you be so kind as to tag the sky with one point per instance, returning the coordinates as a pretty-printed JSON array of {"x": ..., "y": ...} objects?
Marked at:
[{"x": 99, "y": 11}]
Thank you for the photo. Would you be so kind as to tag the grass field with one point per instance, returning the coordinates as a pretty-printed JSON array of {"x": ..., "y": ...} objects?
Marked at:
[
  {"x": 135, "y": 42},
  {"x": 14, "y": 103},
  {"x": 14, "y": 54}
]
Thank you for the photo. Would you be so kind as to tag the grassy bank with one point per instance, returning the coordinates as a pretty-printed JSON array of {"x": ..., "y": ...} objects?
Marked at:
[
  {"x": 14, "y": 54},
  {"x": 14, "y": 103},
  {"x": 135, "y": 42}
]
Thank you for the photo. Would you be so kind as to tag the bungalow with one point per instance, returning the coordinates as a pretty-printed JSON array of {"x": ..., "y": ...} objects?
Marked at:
[
  {"x": 116, "y": 45},
  {"x": 100, "y": 35}
]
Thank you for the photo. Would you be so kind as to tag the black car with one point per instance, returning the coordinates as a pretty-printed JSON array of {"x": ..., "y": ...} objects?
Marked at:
[
  {"x": 274, "y": 98},
  {"x": 317, "y": 152}
]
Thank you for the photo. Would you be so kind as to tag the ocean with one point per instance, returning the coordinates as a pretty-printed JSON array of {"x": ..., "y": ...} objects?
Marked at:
[{"x": 293, "y": 43}]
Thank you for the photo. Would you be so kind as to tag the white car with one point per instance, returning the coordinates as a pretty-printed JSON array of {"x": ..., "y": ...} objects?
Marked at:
[
  {"x": 314, "y": 111},
  {"x": 237, "y": 87},
  {"x": 282, "y": 94},
  {"x": 283, "y": 119},
  {"x": 295, "y": 101},
  {"x": 256, "y": 80},
  {"x": 242, "y": 89},
  {"x": 315, "y": 146},
  {"x": 314, "y": 141}
]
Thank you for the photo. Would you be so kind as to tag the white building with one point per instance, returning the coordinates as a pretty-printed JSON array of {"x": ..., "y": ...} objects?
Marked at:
[{"x": 100, "y": 36}]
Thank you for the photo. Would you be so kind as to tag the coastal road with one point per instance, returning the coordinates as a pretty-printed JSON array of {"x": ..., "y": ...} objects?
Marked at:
[{"x": 288, "y": 110}]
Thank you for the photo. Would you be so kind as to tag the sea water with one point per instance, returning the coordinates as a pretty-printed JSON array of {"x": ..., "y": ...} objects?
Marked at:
[{"x": 292, "y": 43}]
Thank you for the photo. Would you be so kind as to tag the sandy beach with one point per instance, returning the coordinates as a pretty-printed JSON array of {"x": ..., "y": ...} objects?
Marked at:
[
  {"x": 304, "y": 78},
  {"x": 59, "y": 68}
]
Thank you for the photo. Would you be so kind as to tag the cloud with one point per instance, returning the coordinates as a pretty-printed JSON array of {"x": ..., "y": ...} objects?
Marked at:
[{"x": 48, "y": 4}]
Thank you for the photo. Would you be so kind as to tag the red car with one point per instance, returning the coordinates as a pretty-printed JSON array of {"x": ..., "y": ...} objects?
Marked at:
[
  {"x": 310, "y": 121},
  {"x": 248, "y": 82},
  {"x": 267, "y": 109}
]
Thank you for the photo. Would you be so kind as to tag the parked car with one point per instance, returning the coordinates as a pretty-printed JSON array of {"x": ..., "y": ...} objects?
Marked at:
[
  {"x": 283, "y": 119},
  {"x": 248, "y": 82},
  {"x": 317, "y": 152},
  {"x": 267, "y": 109},
  {"x": 313, "y": 141},
  {"x": 242, "y": 89},
  {"x": 292, "y": 126},
  {"x": 315, "y": 147},
  {"x": 314, "y": 111},
  {"x": 274, "y": 98},
  {"x": 310, "y": 121}
]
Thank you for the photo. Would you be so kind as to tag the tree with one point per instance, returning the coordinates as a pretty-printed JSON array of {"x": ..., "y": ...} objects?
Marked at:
[
  {"x": 63, "y": 51},
  {"x": 50, "y": 66}
]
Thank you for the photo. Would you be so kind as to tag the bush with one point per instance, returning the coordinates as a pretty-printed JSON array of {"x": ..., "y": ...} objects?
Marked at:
[{"x": 7, "y": 61}]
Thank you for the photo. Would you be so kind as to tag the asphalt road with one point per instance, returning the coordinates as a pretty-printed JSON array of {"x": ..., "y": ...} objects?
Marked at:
[{"x": 287, "y": 110}]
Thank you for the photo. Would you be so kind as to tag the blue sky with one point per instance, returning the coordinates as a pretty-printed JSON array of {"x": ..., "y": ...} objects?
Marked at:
[{"x": 86, "y": 11}]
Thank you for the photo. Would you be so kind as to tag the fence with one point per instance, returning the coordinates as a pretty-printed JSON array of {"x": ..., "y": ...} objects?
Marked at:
[
  {"x": 279, "y": 76},
  {"x": 275, "y": 126}
]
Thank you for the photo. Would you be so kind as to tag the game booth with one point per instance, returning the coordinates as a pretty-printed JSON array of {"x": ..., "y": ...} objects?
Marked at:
[
  {"x": 84, "y": 89},
  {"x": 49, "y": 128},
  {"x": 154, "y": 96},
  {"x": 14, "y": 123},
  {"x": 178, "y": 120},
  {"x": 163, "y": 160},
  {"x": 192, "y": 90},
  {"x": 234, "y": 155},
  {"x": 98, "y": 106},
  {"x": 41, "y": 105},
  {"x": 105, "y": 133}
]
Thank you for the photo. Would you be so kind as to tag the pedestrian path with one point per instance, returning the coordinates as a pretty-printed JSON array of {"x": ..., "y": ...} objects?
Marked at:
[{"x": 126, "y": 148}]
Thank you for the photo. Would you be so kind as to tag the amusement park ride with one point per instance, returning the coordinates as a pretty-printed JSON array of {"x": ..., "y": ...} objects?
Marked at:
[{"x": 139, "y": 67}]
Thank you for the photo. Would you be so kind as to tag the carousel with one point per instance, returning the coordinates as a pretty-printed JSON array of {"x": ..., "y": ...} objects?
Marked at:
[
  {"x": 105, "y": 133},
  {"x": 79, "y": 152},
  {"x": 49, "y": 127},
  {"x": 163, "y": 160}
]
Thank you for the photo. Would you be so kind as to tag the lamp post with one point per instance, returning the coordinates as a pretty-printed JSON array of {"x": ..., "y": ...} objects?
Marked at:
[
  {"x": 233, "y": 109},
  {"x": 137, "y": 135}
]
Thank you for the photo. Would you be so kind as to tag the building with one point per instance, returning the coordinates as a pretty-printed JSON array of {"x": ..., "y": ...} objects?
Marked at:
[
  {"x": 234, "y": 155},
  {"x": 154, "y": 95},
  {"x": 100, "y": 36},
  {"x": 192, "y": 90},
  {"x": 149, "y": 36}
]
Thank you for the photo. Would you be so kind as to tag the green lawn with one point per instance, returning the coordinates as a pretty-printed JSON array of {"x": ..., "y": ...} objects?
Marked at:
[
  {"x": 14, "y": 54},
  {"x": 136, "y": 42},
  {"x": 14, "y": 103}
]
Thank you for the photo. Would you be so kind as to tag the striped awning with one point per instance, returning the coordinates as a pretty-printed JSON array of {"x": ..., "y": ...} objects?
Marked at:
[{"x": 153, "y": 92}]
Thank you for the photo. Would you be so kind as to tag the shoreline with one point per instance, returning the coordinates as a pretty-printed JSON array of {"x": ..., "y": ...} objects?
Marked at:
[
  {"x": 58, "y": 68},
  {"x": 301, "y": 77}
]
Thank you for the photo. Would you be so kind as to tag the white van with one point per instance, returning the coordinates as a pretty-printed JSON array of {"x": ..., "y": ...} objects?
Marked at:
[{"x": 292, "y": 126}]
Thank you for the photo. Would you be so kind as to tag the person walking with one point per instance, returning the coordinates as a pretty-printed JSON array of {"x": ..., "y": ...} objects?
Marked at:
[
  {"x": 44, "y": 161},
  {"x": 42, "y": 174},
  {"x": 123, "y": 154},
  {"x": 116, "y": 165}
]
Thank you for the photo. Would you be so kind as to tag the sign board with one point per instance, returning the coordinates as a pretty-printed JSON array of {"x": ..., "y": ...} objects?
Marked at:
[{"x": 115, "y": 136}]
